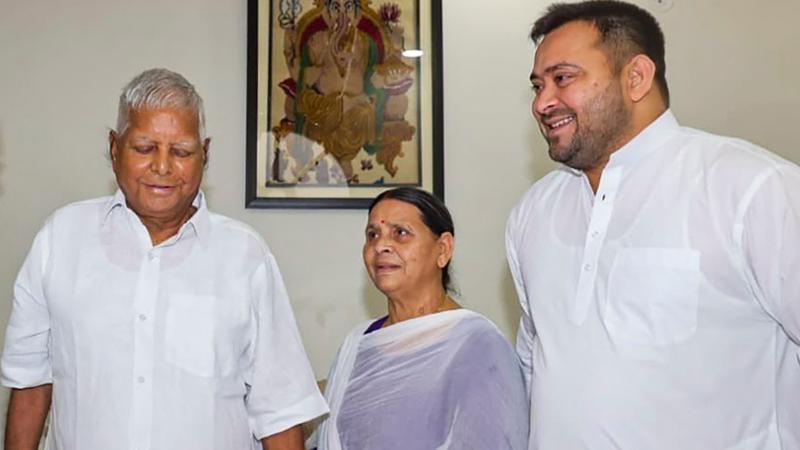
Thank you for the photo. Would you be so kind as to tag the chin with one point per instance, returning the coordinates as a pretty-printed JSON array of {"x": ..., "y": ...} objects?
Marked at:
[
  {"x": 559, "y": 155},
  {"x": 158, "y": 210},
  {"x": 386, "y": 287}
]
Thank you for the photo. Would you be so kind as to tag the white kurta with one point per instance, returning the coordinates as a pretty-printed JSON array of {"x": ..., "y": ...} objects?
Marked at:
[
  {"x": 448, "y": 380},
  {"x": 190, "y": 344},
  {"x": 663, "y": 312}
]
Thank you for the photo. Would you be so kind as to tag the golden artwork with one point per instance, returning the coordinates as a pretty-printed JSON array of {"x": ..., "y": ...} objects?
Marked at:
[{"x": 339, "y": 108}]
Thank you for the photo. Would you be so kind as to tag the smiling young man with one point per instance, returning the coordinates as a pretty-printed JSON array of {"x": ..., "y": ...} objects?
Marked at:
[
  {"x": 148, "y": 321},
  {"x": 656, "y": 268}
]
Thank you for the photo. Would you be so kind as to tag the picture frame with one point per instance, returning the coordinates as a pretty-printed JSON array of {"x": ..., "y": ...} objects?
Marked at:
[{"x": 344, "y": 101}]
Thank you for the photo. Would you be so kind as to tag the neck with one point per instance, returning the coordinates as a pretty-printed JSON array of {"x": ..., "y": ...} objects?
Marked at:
[
  {"x": 595, "y": 173},
  {"x": 641, "y": 119},
  {"x": 418, "y": 304},
  {"x": 160, "y": 229}
]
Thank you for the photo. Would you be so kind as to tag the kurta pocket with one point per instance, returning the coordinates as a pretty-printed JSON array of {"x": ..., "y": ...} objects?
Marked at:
[{"x": 652, "y": 296}]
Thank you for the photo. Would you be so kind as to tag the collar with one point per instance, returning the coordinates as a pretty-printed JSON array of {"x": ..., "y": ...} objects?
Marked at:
[
  {"x": 116, "y": 201},
  {"x": 200, "y": 221},
  {"x": 645, "y": 142}
]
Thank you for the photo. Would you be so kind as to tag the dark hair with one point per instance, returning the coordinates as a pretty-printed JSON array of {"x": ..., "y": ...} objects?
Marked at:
[
  {"x": 434, "y": 214},
  {"x": 624, "y": 28}
]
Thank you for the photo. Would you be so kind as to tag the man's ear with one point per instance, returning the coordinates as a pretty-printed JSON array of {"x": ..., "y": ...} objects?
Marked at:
[
  {"x": 206, "y": 148},
  {"x": 446, "y": 242},
  {"x": 113, "y": 149},
  {"x": 640, "y": 75}
]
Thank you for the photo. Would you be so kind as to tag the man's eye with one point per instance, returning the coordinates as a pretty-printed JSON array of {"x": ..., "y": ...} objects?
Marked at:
[
  {"x": 536, "y": 88},
  {"x": 143, "y": 149},
  {"x": 182, "y": 152},
  {"x": 563, "y": 78}
]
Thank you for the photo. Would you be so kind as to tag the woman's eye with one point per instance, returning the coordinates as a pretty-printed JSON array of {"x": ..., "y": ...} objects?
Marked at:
[
  {"x": 402, "y": 232},
  {"x": 371, "y": 235}
]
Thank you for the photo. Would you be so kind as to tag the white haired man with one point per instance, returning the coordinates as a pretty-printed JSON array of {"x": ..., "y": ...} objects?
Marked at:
[{"x": 148, "y": 321}]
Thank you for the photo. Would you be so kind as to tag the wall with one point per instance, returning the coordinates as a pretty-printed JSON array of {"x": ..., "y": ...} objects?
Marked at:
[{"x": 732, "y": 66}]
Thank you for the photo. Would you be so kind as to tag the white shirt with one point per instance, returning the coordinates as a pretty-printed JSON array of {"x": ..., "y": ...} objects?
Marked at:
[
  {"x": 190, "y": 344},
  {"x": 663, "y": 312}
]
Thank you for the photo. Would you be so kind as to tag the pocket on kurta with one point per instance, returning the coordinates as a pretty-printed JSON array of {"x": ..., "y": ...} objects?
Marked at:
[
  {"x": 652, "y": 296},
  {"x": 189, "y": 333}
]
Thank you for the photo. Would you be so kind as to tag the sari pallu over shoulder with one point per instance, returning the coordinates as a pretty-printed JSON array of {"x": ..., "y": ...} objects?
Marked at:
[{"x": 441, "y": 381}]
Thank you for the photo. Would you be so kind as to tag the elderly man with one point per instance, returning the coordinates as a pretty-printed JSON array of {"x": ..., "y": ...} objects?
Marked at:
[
  {"x": 658, "y": 268},
  {"x": 148, "y": 321}
]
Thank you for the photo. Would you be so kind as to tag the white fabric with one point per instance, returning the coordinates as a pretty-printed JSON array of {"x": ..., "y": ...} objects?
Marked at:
[
  {"x": 187, "y": 345},
  {"x": 443, "y": 381},
  {"x": 663, "y": 312}
]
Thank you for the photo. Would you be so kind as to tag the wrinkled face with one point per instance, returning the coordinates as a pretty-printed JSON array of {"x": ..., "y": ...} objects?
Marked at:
[
  {"x": 400, "y": 252},
  {"x": 578, "y": 102},
  {"x": 158, "y": 162}
]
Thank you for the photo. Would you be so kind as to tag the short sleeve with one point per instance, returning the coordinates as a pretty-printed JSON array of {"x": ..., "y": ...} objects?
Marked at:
[
  {"x": 282, "y": 389},
  {"x": 25, "y": 362}
]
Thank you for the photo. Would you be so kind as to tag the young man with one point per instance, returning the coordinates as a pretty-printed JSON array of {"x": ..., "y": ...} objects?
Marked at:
[{"x": 657, "y": 269}]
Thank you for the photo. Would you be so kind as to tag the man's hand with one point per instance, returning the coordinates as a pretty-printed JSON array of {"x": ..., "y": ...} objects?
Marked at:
[
  {"x": 27, "y": 410},
  {"x": 291, "y": 439}
]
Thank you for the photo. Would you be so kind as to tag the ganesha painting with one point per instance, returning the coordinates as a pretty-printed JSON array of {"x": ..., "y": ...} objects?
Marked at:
[{"x": 344, "y": 94}]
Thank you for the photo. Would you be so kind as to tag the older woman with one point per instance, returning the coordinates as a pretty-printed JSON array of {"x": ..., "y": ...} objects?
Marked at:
[{"x": 429, "y": 375}]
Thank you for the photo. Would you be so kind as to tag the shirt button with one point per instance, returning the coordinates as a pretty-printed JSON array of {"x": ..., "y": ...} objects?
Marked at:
[
  {"x": 142, "y": 317},
  {"x": 587, "y": 267},
  {"x": 595, "y": 233},
  {"x": 140, "y": 379}
]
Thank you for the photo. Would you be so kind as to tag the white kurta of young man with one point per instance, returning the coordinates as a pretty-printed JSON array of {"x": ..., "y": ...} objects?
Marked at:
[
  {"x": 190, "y": 344},
  {"x": 663, "y": 311}
]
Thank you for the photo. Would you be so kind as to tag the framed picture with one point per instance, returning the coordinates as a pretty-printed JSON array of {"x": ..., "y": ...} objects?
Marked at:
[{"x": 344, "y": 101}]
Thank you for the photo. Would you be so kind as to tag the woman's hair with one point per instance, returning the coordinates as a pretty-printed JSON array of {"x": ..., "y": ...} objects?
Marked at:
[{"x": 434, "y": 214}]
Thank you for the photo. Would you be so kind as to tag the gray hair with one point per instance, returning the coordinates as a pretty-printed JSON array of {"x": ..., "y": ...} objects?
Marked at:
[{"x": 156, "y": 89}]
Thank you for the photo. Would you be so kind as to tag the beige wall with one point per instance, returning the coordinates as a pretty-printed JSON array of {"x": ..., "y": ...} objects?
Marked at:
[{"x": 732, "y": 66}]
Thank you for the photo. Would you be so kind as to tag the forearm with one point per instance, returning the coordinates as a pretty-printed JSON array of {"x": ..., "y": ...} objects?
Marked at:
[
  {"x": 291, "y": 439},
  {"x": 27, "y": 410}
]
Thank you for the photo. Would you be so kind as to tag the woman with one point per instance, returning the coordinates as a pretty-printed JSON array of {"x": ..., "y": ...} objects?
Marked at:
[{"x": 429, "y": 375}]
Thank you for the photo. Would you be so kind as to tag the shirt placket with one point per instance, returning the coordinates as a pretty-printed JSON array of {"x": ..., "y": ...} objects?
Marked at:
[
  {"x": 143, "y": 350},
  {"x": 602, "y": 207}
]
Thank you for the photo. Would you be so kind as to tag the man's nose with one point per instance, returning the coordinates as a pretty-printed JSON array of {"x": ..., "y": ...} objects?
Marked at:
[
  {"x": 544, "y": 102},
  {"x": 161, "y": 162}
]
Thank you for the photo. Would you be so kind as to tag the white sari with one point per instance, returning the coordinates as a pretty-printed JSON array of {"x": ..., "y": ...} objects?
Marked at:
[{"x": 448, "y": 380}]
